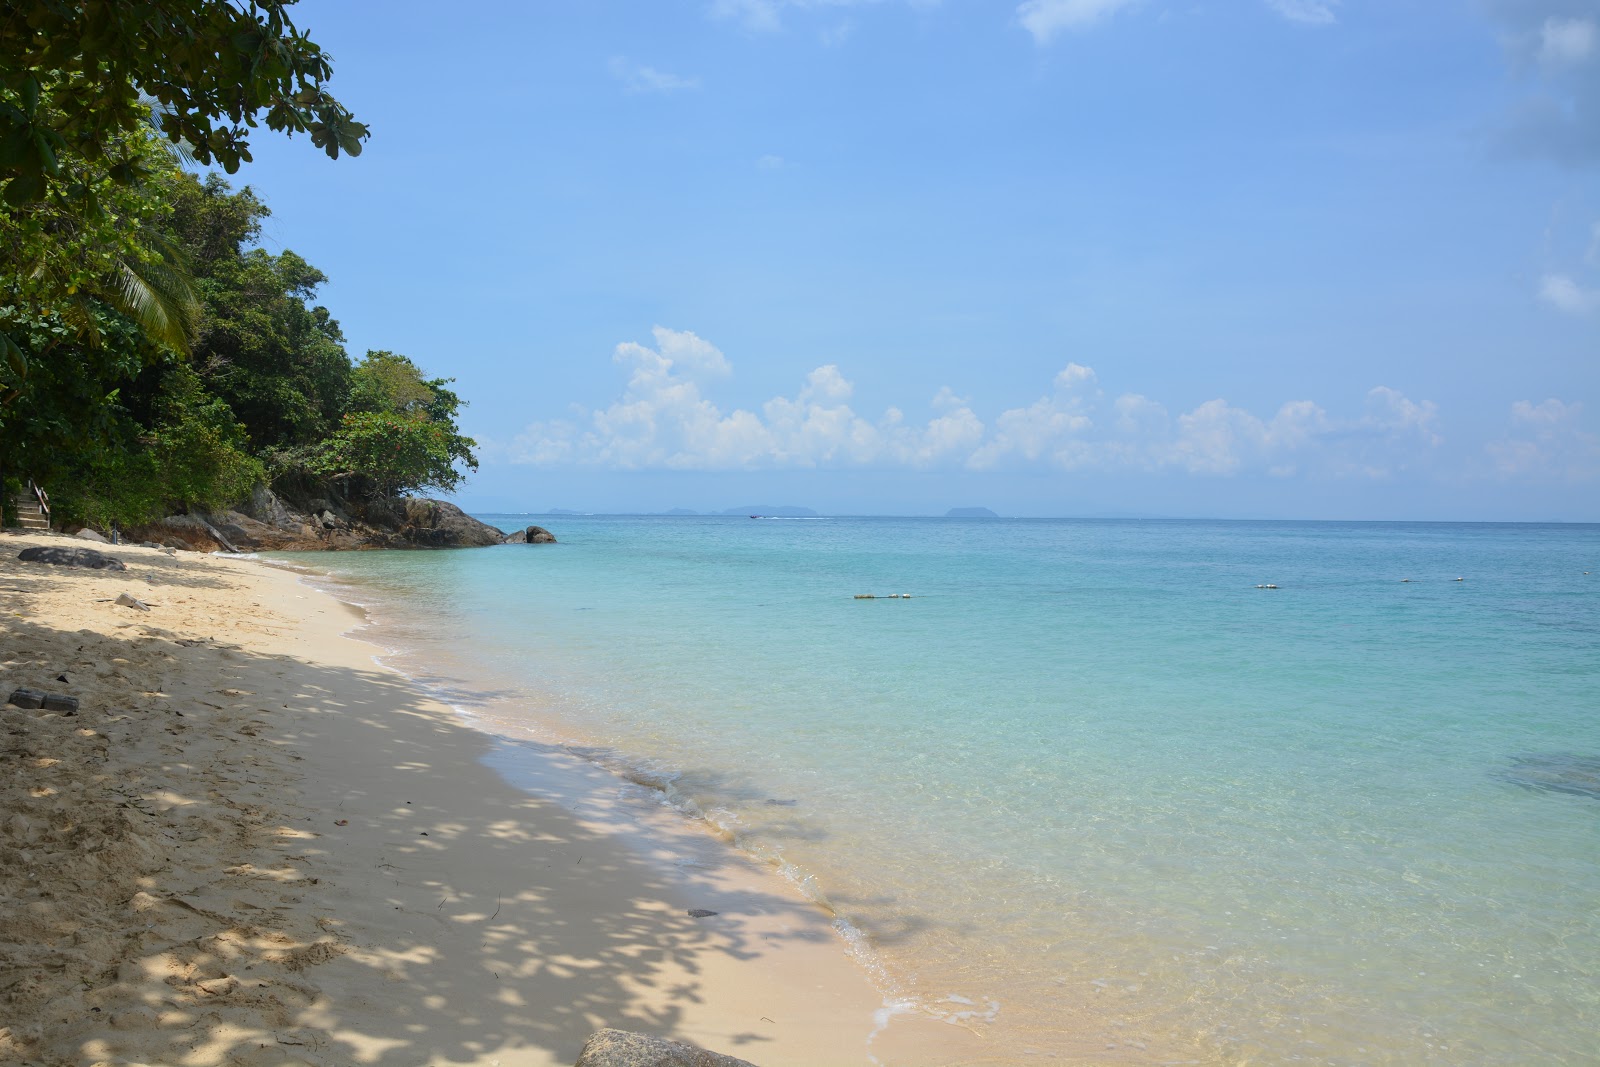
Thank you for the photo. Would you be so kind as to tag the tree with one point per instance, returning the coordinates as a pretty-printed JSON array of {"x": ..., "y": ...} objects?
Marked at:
[
  {"x": 400, "y": 434},
  {"x": 106, "y": 248},
  {"x": 72, "y": 73},
  {"x": 264, "y": 347}
]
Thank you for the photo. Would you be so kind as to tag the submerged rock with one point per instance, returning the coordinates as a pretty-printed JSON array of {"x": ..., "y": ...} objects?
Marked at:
[
  {"x": 1555, "y": 772},
  {"x": 71, "y": 557},
  {"x": 619, "y": 1048}
]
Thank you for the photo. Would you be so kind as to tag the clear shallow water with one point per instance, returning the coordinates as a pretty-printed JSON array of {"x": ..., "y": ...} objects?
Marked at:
[{"x": 1091, "y": 792}]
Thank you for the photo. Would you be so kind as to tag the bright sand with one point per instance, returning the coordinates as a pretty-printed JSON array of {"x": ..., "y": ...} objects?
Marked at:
[{"x": 253, "y": 845}]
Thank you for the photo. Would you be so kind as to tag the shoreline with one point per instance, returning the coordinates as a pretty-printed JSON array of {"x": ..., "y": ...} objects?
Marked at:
[{"x": 327, "y": 870}]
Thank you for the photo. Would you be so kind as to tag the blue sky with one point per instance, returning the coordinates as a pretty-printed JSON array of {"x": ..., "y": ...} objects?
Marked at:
[{"x": 1252, "y": 258}]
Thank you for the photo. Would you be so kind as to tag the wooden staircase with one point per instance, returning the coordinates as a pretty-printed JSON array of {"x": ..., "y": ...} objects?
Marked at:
[{"x": 33, "y": 508}]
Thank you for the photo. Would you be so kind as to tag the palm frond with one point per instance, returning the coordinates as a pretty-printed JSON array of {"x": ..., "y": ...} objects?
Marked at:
[{"x": 158, "y": 292}]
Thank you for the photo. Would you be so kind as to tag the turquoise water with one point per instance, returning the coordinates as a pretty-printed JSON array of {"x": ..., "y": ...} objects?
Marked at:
[{"x": 1090, "y": 791}]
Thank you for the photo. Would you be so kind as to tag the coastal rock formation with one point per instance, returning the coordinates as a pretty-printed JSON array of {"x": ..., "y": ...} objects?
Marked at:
[
  {"x": 533, "y": 535},
  {"x": 619, "y": 1048},
  {"x": 71, "y": 557},
  {"x": 268, "y": 523}
]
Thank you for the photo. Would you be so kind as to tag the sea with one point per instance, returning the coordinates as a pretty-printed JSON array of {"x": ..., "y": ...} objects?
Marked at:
[{"x": 1101, "y": 791}]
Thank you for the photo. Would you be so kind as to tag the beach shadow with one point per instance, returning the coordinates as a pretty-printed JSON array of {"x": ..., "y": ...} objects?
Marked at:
[{"x": 404, "y": 923}]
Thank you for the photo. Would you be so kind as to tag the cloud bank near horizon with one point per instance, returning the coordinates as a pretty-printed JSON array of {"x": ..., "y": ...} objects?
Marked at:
[{"x": 666, "y": 420}]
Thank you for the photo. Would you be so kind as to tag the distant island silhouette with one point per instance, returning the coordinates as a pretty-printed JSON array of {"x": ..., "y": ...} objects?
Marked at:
[{"x": 970, "y": 513}]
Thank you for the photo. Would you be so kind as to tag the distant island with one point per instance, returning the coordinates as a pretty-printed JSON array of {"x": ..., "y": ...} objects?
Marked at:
[
  {"x": 680, "y": 511},
  {"x": 785, "y": 512},
  {"x": 970, "y": 513}
]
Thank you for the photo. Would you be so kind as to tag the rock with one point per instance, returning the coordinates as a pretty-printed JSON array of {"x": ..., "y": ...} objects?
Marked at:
[
  {"x": 268, "y": 508},
  {"x": 533, "y": 535},
  {"x": 92, "y": 535},
  {"x": 72, "y": 557},
  {"x": 1556, "y": 772},
  {"x": 619, "y": 1048},
  {"x": 418, "y": 523},
  {"x": 130, "y": 602},
  {"x": 700, "y": 913},
  {"x": 60, "y": 702},
  {"x": 267, "y": 524},
  {"x": 27, "y": 698}
]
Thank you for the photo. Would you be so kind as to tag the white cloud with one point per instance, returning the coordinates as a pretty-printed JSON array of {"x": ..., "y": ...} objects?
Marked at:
[
  {"x": 1046, "y": 18},
  {"x": 1565, "y": 42},
  {"x": 1392, "y": 412},
  {"x": 1563, "y": 293},
  {"x": 665, "y": 419},
  {"x": 637, "y": 78},
  {"x": 1547, "y": 441},
  {"x": 1310, "y": 12},
  {"x": 770, "y": 162}
]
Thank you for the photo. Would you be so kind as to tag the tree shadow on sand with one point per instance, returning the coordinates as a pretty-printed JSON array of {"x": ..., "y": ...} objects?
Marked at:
[{"x": 400, "y": 922}]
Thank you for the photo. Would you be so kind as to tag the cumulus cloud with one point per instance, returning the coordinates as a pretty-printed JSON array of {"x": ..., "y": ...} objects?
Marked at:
[
  {"x": 1309, "y": 12},
  {"x": 1046, "y": 18},
  {"x": 636, "y": 78},
  {"x": 665, "y": 419},
  {"x": 1564, "y": 294},
  {"x": 1546, "y": 441}
]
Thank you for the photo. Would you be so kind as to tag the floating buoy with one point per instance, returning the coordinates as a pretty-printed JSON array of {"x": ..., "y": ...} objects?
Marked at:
[
  {"x": 865, "y": 596},
  {"x": 1266, "y": 587}
]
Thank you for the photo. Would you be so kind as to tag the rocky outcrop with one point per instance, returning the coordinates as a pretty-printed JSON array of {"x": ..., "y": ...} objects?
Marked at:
[
  {"x": 71, "y": 557},
  {"x": 619, "y": 1048},
  {"x": 533, "y": 535},
  {"x": 267, "y": 523}
]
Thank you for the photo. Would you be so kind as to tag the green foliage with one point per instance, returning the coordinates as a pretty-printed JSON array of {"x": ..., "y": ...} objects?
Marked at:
[
  {"x": 380, "y": 454},
  {"x": 277, "y": 360},
  {"x": 72, "y": 71},
  {"x": 400, "y": 435},
  {"x": 103, "y": 247},
  {"x": 184, "y": 451}
]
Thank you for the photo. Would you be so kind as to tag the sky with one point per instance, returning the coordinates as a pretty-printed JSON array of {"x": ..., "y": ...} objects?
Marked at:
[{"x": 1332, "y": 259}]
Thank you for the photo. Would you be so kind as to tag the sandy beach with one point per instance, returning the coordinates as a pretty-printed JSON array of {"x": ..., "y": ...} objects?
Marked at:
[{"x": 254, "y": 845}]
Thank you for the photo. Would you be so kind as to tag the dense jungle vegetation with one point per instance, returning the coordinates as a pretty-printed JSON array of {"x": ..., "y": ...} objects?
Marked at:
[{"x": 154, "y": 358}]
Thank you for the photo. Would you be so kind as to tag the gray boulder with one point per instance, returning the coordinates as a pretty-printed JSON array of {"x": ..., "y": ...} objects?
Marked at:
[
  {"x": 71, "y": 557},
  {"x": 619, "y": 1048},
  {"x": 87, "y": 534},
  {"x": 410, "y": 522},
  {"x": 533, "y": 535}
]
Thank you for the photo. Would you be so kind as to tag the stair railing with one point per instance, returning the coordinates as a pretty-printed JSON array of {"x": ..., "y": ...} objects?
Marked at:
[{"x": 42, "y": 497}]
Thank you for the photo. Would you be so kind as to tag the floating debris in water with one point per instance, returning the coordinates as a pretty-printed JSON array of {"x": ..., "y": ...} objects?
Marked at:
[{"x": 1555, "y": 772}]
